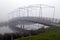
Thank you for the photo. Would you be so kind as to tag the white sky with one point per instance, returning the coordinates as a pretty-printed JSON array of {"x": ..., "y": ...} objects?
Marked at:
[{"x": 7, "y": 6}]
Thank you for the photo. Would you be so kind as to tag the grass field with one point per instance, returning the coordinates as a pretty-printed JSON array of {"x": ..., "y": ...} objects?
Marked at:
[{"x": 52, "y": 33}]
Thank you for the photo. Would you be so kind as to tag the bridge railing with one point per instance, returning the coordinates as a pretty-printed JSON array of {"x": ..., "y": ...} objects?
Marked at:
[
  {"x": 39, "y": 10},
  {"x": 33, "y": 10}
]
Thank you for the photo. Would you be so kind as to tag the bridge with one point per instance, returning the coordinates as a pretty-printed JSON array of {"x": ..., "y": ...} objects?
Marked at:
[{"x": 31, "y": 15}]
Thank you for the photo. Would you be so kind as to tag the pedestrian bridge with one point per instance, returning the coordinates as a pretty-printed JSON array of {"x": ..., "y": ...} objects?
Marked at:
[
  {"x": 32, "y": 20},
  {"x": 40, "y": 14}
]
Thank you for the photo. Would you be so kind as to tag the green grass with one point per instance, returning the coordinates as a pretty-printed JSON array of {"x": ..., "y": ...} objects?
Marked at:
[{"x": 52, "y": 33}]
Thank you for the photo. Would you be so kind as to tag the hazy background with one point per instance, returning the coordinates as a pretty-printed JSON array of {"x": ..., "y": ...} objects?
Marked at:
[{"x": 6, "y": 6}]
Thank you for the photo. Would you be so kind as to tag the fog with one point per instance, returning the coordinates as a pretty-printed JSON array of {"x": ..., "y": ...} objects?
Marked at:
[
  {"x": 27, "y": 27},
  {"x": 6, "y": 6}
]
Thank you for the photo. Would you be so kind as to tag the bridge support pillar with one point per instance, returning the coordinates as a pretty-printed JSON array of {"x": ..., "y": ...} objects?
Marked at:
[{"x": 22, "y": 27}]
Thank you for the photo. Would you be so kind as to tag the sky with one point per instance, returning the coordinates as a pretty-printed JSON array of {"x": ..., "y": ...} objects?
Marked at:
[{"x": 6, "y": 6}]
